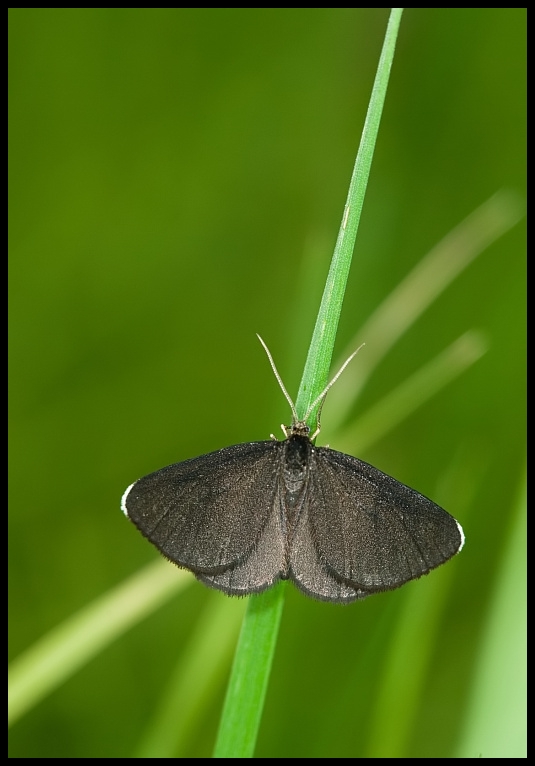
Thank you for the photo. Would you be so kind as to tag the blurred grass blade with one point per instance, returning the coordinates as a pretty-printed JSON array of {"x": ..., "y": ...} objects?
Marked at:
[
  {"x": 417, "y": 291},
  {"x": 198, "y": 675},
  {"x": 403, "y": 673},
  {"x": 411, "y": 394},
  {"x": 409, "y": 658},
  {"x": 70, "y": 645},
  {"x": 496, "y": 716}
]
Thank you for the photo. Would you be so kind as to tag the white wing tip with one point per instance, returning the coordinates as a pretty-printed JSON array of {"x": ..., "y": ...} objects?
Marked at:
[
  {"x": 458, "y": 527},
  {"x": 123, "y": 500}
]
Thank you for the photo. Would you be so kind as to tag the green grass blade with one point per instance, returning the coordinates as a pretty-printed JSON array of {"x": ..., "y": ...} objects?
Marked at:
[
  {"x": 412, "y": 393},
  {"x": 408, "y": 658},
  {"x": 427, "y": 280},
  {"x": 496, "y": 717},
  {"x": 319, "y": 357},
  {"x": 68, "y": 647},
  {"x": 250, "y": 674},
  {"x": 243, "y": 707},
  {"x": 198, "y": 674}
]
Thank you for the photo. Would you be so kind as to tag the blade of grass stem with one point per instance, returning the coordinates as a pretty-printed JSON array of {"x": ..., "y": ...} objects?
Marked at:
[
  {"x": 246, "y": 692},
  {"x": 239, "y": 722},
  {"x": 69, "y": 646},
  {"x": 320, "y": 352}
]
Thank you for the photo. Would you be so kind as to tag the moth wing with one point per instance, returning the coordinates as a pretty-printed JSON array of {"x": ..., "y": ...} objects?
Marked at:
[
  {"x": 260, "y": 569},
  {"x": 371, "y": 531},
  {"x": 208, "y": 513},
  {"x": 309, "y": 572}
]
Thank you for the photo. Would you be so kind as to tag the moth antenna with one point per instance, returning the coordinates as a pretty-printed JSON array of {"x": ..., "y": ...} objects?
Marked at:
[
  {"x": 279, "y": 380},
  {"x": 321, "y": 397}
]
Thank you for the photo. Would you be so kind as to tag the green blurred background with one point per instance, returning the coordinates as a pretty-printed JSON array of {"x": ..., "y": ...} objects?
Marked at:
[{"x": 177, "y": 179}]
